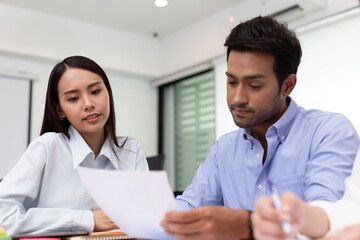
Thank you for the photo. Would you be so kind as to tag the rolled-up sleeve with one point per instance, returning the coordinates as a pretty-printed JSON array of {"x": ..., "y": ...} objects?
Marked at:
[{"x": 331, "y": 159}]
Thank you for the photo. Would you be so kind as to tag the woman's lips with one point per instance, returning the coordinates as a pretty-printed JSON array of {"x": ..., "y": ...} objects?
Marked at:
[{"x": 92, "y": 117}]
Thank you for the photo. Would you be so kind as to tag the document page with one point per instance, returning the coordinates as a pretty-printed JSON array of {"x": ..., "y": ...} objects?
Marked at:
[{"x": 136, "y": 201}]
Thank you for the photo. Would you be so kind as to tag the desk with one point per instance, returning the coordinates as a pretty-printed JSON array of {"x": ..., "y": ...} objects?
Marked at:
[{"x": 76, "y": 236}]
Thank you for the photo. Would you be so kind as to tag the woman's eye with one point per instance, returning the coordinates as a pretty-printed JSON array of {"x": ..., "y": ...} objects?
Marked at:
[
  {"x": 73, "y": 99},
  {"x": 97, "y": 91}
]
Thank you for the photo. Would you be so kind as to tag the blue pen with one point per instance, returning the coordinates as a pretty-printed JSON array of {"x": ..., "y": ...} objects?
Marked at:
[{"x": 276, "y": 199}]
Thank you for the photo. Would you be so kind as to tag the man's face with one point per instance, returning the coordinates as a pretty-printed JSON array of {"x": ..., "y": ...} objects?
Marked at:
[{"x": 253, "y": 93}]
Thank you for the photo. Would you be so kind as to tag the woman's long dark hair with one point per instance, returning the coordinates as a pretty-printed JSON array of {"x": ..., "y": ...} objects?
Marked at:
[{"x": 51, "y": 121}]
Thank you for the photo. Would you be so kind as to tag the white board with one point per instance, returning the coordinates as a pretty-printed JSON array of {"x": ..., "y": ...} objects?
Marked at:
[{"x": 14, "y": 120}]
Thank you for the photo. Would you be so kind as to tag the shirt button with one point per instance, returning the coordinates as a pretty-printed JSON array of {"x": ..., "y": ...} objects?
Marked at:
[
  {"x": 258, "y": 155},
  {"x": 282, "y": 137},
  {"x": 259, "y": 186}
]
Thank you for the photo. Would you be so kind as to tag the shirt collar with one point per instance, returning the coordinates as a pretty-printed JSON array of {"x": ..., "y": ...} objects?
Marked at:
[
  {"x": 107, "y": 151},
  {"x": 80, "y": 150},
  {"x": 283, "y": 125}
]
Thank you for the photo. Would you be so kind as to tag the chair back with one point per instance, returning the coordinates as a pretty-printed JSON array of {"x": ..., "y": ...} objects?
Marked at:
[{"x": 156, "y": 162}]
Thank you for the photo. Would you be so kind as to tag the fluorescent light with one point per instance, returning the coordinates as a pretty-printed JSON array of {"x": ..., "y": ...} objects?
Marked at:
[
  {"x": 288, "y": 14},
  {"x": 161, "y": 3},
  {"x": 328, "y": 20}
]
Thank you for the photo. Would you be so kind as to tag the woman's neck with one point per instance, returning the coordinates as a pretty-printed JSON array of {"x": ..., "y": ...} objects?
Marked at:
[{"x": 95, "y": 141}]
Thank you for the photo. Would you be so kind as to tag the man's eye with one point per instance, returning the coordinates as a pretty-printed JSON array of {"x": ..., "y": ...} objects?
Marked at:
[{"x": 254, "y": 86}]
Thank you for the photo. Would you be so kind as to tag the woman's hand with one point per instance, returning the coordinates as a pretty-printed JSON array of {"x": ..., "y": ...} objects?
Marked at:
[
  {"x": 102, "y": 222},
  {"x": 267, "y": 220},
  {"x": 349, "y": 233}
]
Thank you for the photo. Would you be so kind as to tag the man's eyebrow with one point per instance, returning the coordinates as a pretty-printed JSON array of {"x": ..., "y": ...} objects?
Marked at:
[
  {"x": 249, "y": 77},
  {"x": 230, "y": 75},
  {"x": 75, "y": 90},
  {"x": 255, "y": 76}
]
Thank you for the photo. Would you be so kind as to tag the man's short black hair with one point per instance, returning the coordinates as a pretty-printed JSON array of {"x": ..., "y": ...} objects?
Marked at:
[{"x": 268, "y": 35}]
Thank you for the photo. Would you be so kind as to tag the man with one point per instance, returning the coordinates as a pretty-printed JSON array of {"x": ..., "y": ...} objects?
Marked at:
[{"x": 307, "y": 152}]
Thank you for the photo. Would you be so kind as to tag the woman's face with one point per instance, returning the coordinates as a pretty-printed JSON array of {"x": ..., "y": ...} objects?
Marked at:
[{"x": 84, "y": 101}]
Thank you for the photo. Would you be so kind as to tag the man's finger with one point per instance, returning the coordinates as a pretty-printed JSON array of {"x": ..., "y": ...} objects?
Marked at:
[{"x": 183, "y": 216}]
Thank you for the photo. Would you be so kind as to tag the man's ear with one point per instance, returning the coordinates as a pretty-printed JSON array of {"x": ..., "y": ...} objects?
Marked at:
[
  {"x": 288, "y": 85},
  {"x": 60, "y": 112}
]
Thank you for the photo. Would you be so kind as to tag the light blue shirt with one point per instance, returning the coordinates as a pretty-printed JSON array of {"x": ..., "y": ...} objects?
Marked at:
[
  {"x": 43, "y": 192},
  {"x": 309, "y": 153}
]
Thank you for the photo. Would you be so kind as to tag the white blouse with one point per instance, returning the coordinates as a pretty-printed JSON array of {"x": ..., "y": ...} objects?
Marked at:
[
  {"x": 43, "y": 192},
  {"x": 346, "y": 211}
]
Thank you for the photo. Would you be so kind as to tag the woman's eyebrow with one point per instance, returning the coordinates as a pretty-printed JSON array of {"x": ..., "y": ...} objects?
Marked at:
[{"x": 75, "y": 90}]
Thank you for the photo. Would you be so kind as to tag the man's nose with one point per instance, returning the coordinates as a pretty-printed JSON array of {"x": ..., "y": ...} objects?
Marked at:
[{"x": 241, "y": 95}]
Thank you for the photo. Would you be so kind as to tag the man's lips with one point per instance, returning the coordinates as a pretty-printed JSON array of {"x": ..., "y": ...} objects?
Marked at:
[
  {"x": 92, "y": 117},
  {"x": 241, "y": 111}
]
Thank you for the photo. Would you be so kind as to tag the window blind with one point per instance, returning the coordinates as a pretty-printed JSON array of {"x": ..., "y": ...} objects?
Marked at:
[{"x": 195, "y": 125}]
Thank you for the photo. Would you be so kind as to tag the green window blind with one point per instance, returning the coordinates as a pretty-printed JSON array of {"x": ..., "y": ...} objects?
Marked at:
[{"x": 195, "y": 125}]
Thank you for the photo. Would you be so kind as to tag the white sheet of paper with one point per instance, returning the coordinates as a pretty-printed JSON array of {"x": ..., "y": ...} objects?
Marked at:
[{"x": 136, "y": 201}]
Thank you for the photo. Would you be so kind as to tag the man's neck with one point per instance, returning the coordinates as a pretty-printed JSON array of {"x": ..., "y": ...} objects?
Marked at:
[
  {"x": 259, "y": 131},
  {"x": 262, "y": 139}
]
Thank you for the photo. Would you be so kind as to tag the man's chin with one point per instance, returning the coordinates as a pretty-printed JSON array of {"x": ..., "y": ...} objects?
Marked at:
[{"x": 242, "y": 124}]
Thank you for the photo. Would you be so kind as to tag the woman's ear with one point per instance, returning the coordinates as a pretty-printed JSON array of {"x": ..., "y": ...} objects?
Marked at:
[
  {"x": 60, "y": 112},
  {"x": 288, "y": 85}
]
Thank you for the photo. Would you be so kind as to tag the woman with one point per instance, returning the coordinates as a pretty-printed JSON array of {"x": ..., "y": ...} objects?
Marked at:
[
  {"x": 339, "y": 220},
  {"x": 43, "y": 192}
]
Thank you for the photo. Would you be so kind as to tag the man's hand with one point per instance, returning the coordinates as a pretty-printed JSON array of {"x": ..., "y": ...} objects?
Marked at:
[
  {"x": 208, "y": 223},
  {"x": 349, "y": 233},
  {"x": 102, "y": 222}
]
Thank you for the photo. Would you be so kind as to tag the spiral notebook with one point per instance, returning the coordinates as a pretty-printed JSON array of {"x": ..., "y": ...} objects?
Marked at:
[
  {"x": 106, "y": 235},
  {"x": 110, "y": 235}
]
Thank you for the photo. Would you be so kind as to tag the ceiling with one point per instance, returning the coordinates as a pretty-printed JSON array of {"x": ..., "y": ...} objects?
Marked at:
[{"x": 136, "y": 16}]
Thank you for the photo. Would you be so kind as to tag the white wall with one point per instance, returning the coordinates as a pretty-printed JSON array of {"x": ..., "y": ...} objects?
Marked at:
[
  {"x": 204, "y": 40},
  {"x": 223, "y": 120},
  {"x": 50, "y": 37},
  {"x": 136, "y": 107},
  {"x": 329, "y": 75}
]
